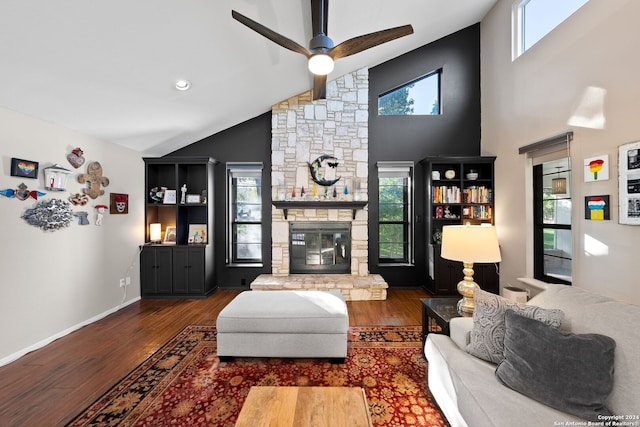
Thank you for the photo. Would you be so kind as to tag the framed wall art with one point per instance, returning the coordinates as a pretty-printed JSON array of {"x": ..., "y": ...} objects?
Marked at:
[
  {"x": 596, "y": 207},
  {"x": 118, "y": 203},
  {"x": 24, "y": 168},
  {"x": 629, "y": 183},
  {"x": 596, "y": 168}
]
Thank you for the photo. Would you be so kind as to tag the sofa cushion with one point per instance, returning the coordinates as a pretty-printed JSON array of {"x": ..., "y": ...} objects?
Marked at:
[
  {"x": 591, "y": 313},
  {"x": 569, "y": 372},
  {"x": 487, "y": 335}
]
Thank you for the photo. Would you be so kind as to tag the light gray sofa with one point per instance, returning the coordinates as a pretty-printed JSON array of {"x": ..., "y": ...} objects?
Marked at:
[{"x": 469, "y": 393}]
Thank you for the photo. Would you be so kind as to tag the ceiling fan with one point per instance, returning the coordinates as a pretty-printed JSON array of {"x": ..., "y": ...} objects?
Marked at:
[{"x": 322, "y": 52}]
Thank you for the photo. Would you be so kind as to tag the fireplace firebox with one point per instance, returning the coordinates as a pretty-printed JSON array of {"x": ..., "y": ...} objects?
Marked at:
[{"x": 320, "y": 247}]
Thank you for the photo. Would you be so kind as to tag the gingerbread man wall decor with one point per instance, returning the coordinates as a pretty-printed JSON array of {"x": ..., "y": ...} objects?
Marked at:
[{"x": 94, "y": 178}]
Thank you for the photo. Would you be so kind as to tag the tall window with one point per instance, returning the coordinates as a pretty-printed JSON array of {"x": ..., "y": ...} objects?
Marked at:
[
  {"x": 244, "y": 236},
  {"x": 419, "y": 97},
  {"x": 552, "y": 221},
  {"x": 534, "y": 19},
  {"x": 395, "y": 199}
]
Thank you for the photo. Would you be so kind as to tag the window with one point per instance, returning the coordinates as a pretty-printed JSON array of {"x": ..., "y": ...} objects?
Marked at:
[
  {"x": 395, "y": 232},
  {"x": 244, "y": 236},
  {"x": 419, "y": 97},
  {"x": 534, "y": 19},
  {"x": 552, "y": 221}
]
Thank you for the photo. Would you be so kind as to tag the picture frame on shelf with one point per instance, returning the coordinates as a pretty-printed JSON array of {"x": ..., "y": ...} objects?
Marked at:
[
  {"x": 193, "y": 199},
  {"x": 629, "y": 183},
  {"x": 24, "y": 168},
  {"x": 170, "y": 235},
  {"x": 169, "y": 197},
  {"x": 197, "y": 234}
]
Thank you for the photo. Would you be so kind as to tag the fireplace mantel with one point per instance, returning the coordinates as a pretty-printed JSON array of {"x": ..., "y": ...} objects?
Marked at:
[{"x": 285, "y": 205}]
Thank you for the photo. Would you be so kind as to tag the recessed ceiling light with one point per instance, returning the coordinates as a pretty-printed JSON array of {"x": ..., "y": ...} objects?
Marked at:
[{"x": 183, "y": 84}]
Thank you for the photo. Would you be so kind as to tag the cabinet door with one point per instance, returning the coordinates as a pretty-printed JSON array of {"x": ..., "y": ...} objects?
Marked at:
[
  {"x": 188, "y": 270},
  {"x": 156, "y": 271}
]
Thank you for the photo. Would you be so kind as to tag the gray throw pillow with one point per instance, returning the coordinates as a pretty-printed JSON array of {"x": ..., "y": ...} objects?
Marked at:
[
  {"x": 569, "y": 372},
  {"x": 487, "y": 334}
]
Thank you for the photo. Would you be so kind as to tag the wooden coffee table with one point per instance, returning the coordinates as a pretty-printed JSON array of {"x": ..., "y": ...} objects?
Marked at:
[{"x": 305, "y": 406}]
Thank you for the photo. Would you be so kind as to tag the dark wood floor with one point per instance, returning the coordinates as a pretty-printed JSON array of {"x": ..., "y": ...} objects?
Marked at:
[{"x": 50, "y": 386}]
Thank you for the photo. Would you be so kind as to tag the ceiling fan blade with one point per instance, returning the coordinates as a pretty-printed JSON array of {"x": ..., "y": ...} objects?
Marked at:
[
  {"x": 270, "y": 34},
  {"x": 319, "y": 87},
  {"x": 360, "y": 43}
]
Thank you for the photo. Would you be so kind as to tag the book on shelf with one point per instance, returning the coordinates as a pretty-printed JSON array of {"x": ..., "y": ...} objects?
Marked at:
[
  {"x": 445, "y": 194},
  {"x": 483, "y": 212},
  {"x": 477, "y": 194}
]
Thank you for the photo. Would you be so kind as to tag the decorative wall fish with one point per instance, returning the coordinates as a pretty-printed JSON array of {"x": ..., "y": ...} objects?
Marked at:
[{"x": 316, "y": 168}]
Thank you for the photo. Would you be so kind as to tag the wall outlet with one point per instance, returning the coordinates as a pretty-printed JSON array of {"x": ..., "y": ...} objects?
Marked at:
[
  {"x": 128, "y": 281},
  {"x": 121, "y": 283}
]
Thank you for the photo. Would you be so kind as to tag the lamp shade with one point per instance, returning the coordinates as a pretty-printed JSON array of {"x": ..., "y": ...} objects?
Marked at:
[
  {"x": 155, "y": 232},
  {"x": 470, "y": 243}
]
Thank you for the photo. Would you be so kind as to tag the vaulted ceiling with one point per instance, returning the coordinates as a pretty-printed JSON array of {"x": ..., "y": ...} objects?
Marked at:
[{"x": 108, "y": 68}]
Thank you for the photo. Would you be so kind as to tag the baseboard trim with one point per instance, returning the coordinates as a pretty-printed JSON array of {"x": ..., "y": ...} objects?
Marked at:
[{"x": 18, "y": 354}]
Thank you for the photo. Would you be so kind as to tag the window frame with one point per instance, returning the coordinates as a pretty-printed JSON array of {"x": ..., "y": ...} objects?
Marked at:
[
  {"x": 437, "y": 73},
  {"x": 235, "y": 170},
  {"x": 518, "y": 27},
  {"x": 399, "y": 170},
  {"x": 539, "y": 224}
]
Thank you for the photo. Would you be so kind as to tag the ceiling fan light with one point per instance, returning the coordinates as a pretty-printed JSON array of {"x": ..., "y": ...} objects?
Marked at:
[{"x": 320, "y": 64}]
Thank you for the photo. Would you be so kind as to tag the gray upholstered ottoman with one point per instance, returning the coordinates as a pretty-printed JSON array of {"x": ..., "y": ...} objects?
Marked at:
[{"x": 284, "y": 324}]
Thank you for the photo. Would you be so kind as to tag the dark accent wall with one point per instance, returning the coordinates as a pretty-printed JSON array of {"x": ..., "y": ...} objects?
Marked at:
[
  {"x": 246, "y": 142},
  {"x": 455, "y": 132}
]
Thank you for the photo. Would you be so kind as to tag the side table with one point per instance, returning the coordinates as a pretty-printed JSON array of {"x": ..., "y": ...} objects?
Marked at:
[{"x": 437, "y": 313}]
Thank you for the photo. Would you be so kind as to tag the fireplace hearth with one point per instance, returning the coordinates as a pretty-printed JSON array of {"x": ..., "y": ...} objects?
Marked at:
[{"x": 320, "y": 247}]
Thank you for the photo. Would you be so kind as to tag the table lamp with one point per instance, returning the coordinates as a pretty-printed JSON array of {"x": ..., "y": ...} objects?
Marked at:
[
  {"x": 469, "y": 244},
  {"x": 155, "y": 232}
]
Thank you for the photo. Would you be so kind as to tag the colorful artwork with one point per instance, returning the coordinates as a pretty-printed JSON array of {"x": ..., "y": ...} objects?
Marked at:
[
  {"x": 596, "y": 207},
  {"x": 24, "y": 168},
  {"x": 596, "y": 168},
  {"x": 118, "y": 203},
  {"x": 197, "y": 234}
]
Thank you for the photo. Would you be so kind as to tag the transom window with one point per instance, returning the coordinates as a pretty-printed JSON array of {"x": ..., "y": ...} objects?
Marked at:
[
  {"x": 534, "y": 19},
  {"x": 419, "y": 97},
  {"x": 244, "y": 236},
  {"x": 395, "y": 233}
]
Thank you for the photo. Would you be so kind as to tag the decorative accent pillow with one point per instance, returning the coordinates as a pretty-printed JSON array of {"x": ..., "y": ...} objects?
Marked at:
[
  {"x": 569, "y": 372},
  {"x": 487, "y": 335}
]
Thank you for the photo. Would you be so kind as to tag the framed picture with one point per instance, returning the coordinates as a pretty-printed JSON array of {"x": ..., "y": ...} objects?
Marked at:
[
  {"x": 170, "y": 235},
  {"x": 193, "y": 198},
  {"x": 596, "y": 168},
  {"x": 24, "y": 168},
  {"x": 197, "y": 234},
  {"x": 596, "y": 207},
  {"x": 169, "y": 197},
  {"x": 629, "y": 183},
  {"x": 118, "y": 203}
]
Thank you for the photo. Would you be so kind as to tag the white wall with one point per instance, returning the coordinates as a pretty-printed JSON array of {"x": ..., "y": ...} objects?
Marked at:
[
  {"x": 586, "y": 68},
  {"x": 52, "y": 282}
]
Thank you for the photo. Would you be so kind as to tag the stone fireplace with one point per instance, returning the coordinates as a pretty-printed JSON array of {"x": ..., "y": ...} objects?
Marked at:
[{"x": 303, "y": 130}]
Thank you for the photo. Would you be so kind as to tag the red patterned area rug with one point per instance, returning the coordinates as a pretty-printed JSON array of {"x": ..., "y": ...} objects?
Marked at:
[{"x": 184, "y": 383}]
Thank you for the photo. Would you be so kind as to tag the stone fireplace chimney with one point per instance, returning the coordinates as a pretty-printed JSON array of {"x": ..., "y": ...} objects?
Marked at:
[{"x": 303, "y": 130}]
